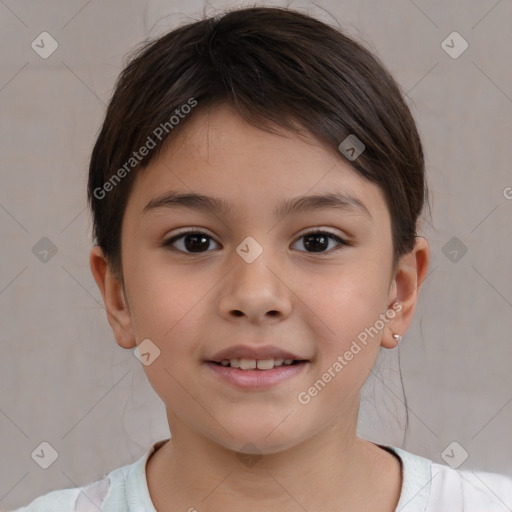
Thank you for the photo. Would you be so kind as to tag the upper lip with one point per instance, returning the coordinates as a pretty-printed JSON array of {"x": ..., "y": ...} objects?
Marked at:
[{"x": 248, "y": 352}]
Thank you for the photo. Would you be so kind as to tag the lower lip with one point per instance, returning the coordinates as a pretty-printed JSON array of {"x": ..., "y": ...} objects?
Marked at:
[{"x": 257, "y": 379}]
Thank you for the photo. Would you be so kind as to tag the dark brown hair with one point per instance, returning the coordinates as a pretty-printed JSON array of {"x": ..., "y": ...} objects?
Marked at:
[{"x": 276, "y": 66}]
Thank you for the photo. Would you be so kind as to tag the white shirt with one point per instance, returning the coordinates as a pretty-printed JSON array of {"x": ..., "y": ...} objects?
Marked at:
[{"x": 426, "y": 487}]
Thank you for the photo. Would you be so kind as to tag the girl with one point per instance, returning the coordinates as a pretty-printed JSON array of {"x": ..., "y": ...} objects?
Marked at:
[{"x": 256, "y": 189}]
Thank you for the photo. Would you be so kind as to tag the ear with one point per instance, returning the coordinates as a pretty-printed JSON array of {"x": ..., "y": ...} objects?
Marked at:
[
  {"x": 111, "y": 289},
  {"x": 405, "y": 286}
]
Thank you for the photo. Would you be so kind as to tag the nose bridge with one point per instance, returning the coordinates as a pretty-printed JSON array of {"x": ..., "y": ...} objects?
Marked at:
[
  {"x": 252, "y": 265},
  {"x": 255, "y": 287}
]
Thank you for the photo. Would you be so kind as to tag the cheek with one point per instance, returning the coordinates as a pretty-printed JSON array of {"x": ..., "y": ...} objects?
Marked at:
[
  {"x": 164, "y": 300},
  {"x": 346, "y": 313},
  {"x": 346, "y": 301},
  {"x": 166, "y": 310}
]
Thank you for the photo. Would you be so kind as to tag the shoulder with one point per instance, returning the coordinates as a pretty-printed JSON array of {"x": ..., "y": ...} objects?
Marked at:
[
  {"x": 431, "y": 487},
  {"x": 112, "y": 492},
  {"x": 61, "y": 500},
  {"x": 88, "y": 498},
  {"x": 468, "y": 490}
]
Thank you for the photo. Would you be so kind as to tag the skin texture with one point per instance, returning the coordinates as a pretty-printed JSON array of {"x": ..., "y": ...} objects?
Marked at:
[{"x": 313, "y": 304}]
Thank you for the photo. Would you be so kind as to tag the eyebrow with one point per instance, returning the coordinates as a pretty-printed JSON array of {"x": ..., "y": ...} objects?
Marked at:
[{"x": 301, "y": 204}]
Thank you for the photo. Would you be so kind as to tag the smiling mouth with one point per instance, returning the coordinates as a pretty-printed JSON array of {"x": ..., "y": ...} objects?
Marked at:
[{"x": 257, "y": 364}]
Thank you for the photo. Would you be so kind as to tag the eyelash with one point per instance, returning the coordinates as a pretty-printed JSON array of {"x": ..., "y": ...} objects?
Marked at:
[{"x": 342, "y": 242}]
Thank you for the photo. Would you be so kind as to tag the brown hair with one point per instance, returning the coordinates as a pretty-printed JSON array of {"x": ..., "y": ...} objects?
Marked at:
[{"x": 272, "y": 64}]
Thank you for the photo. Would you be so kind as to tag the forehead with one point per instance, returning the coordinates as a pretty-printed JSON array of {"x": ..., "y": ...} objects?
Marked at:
[{"x": 217, "y": 153}]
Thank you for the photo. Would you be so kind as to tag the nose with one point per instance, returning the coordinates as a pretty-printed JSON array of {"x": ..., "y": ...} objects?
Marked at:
[{"x": 257, "y": 291}]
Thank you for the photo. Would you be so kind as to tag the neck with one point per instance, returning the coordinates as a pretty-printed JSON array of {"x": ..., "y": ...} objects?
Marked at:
[{"x": 335, "y": 468}]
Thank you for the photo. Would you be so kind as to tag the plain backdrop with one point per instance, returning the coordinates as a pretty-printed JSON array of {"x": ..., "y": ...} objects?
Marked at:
[{"x": 66, "y": 382}]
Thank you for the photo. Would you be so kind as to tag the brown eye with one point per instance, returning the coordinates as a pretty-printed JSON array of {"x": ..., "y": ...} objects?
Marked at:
[
  {"x": 196, "y": 242},
  {"x": 318, "y": 241},
  {"x": 190, "y": 241}
]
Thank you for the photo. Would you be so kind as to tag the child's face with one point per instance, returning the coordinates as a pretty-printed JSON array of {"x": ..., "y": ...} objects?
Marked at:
[{"x": 312, "y": 304}]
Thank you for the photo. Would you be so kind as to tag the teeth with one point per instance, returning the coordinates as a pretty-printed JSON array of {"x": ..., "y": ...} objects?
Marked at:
[
  {"x": 252, "y": 364},
  {"x": 247, "y": 364},
  {"x": 265, "y": 364}
]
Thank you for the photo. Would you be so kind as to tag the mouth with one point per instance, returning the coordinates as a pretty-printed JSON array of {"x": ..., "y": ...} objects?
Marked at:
[
  {"x": 257, "y": 374},
  {"x": 251, "y": 367},
  {"x": 251, "y": 357},
  {"x": 257, "y": 364}
]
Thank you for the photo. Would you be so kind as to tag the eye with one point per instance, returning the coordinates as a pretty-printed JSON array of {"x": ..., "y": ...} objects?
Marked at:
[
  {"x": 194, "y": 241},
  {"x": 318, "y": 240}
]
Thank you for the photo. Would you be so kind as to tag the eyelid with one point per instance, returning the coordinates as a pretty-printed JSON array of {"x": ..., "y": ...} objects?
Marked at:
[
  {"x": 306, "y": 231},
  {"x": 343, "y": 240},
  {"x": 322, "y": 229},
  {"x": 185, "y": 231},
  {"x": 168, "y": 240}
]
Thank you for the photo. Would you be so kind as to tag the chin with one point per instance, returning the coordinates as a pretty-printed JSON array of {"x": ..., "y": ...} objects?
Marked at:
[{"x": 252, "y": 440}]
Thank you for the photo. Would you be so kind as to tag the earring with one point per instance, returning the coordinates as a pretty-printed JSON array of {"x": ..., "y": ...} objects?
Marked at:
[{"x": 397, "y": 338}]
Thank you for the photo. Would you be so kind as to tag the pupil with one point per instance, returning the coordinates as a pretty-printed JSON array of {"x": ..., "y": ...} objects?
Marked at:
[
  {"x": 194, "y": 246},
  {"x": 315, "y": 247}
]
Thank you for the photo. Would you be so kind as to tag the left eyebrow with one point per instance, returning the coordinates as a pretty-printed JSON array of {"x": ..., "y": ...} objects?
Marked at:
[{"x": 301, "y": 204}]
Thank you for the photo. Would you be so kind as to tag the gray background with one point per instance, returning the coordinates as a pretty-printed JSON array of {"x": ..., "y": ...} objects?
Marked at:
[{"x": 66, "y": 381}]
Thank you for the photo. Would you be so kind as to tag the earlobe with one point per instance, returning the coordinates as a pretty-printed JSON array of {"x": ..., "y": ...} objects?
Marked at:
[
  {"x": 409, "y": 276},
  {"x": 111, "y": 289}
]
